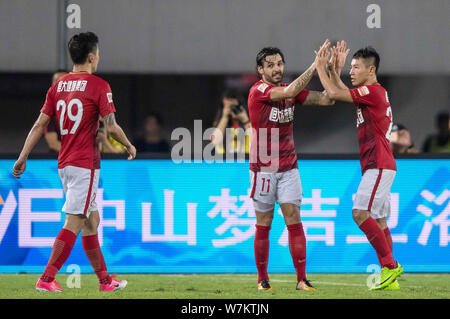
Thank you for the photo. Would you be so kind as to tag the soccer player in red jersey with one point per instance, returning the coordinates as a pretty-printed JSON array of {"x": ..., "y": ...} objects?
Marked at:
[
  {"x": 371, "y": 205},
  {"x": 271, "y": 108},
  {"x": 78, "y": 99}
]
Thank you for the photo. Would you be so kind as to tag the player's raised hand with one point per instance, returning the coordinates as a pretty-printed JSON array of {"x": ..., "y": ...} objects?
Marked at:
[
  {"x": 331, "y": 65},
  {"x": 132, "y": 151},
  {"x": 19, "y": 167},
  {"x": 322, "y": 54},
  {"x": 342, "y": 52}
]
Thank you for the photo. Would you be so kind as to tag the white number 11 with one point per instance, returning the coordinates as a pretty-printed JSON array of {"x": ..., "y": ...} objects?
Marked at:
[{"x": 75, "y": 118}]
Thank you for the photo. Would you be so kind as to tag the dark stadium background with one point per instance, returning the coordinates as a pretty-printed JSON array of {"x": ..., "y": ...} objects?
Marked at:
[{"x": 175, "y": 57}]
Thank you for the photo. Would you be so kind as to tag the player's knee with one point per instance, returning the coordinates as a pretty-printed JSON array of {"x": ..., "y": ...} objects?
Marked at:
[
  {"x": 264, "y": 219},
  {"x": 382, "y": 222},
  {"x": 90, "y": 226},
  {"x": 291, "y": 213},
  {"x": 359, "y": 216},
  {"x": 74, "y": 223},
  {"x": 355, "y": 215}
]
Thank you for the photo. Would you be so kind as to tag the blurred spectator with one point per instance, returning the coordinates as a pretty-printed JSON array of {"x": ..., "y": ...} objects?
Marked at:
[
  {"x": 440, "y": 142},
  {"x": 232, "y": 115},
  {"x": 152, "y": 141},
  {"x": 107, "y": 144},
  {"x": 401, "y": 141},
  {"x": 51, "y": 133}
]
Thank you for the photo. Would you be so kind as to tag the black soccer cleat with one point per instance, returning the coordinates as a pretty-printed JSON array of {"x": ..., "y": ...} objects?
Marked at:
[{"x": 264, "y": 285}]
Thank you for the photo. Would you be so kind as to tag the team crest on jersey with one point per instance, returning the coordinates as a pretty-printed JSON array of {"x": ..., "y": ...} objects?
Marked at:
[
  {"x": 363, "y": 90},
  {"x": 109, "y": 96},
  {"x": 262, "y": 87}
]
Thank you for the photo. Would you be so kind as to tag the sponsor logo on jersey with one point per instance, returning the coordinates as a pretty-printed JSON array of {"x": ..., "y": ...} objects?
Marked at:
[
  {"x": 363, "y": 90},
  {"x": 71, "y": 86},
  {"x": 282, "y": 116},
  {"x": 262, "y": 87},
  {"x": 109, "y": 96}
]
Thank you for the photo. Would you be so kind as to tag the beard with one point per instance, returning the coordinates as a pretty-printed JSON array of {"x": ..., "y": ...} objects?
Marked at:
[{"x": 276, "y": 78}]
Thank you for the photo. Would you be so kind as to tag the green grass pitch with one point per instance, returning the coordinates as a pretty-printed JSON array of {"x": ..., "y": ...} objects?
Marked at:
[{"x": 229, "y": 286}]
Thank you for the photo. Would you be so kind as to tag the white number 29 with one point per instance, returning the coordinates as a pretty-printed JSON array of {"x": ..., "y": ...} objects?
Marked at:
[
  {"x": 389, "y": 115},
  {"x": 75, "y": 118}
]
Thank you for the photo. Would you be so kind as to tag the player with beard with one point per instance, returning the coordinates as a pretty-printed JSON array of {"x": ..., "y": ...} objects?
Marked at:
[{"x": 271, "y": 107}]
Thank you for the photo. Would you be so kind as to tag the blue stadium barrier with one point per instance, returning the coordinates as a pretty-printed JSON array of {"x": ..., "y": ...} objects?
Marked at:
[{"x": 162, "y": 217}]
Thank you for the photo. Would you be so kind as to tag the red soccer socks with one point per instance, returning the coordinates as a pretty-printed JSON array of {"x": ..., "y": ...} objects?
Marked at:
[
  {"x": 91, "y": 247},
  {"x": 377, "y": 238},
  {"x": 297, "y": 247},
  {"x": 261, "y": 245},
  {"x": 61, "y": 250},
  {"x": 387, "y": 234}
]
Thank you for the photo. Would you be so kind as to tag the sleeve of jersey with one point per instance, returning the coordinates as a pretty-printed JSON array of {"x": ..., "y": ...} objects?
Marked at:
[
  {"x": 105, "y": 101},
  {"x": 261, "y": 93},
  {"x": 301, "y": 97},
  {"x": 361, "y": 96},
  {"x": 49, "y": 105}
]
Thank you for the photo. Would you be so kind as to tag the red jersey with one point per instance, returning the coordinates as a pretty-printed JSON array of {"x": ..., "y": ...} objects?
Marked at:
[
  {"x": 77, "y": 100},
  {"x": 374, "y": 123},
  {"x": 267, "y": 114}
]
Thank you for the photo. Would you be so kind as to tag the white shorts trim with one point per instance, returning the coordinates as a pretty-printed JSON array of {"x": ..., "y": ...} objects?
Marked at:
[
  {"x": 374, "y": 192},
  {"x": 262, "y": 207},
  {"x": 80, "y": 186}
]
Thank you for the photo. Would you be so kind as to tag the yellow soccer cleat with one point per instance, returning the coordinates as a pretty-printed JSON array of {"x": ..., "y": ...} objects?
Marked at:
[
  {"x": 393, "y": 286},
  {"x": 264, "y": 285},
  {"x": 387, "y": 277},
  {"x": 304, "y": 284}
]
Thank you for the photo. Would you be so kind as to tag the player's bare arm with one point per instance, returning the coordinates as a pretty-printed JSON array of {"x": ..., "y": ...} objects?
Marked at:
[
  {"x": 52, "y": 141},
  {"x": 33, "y": 137},
  {"x": 333, "y": 91},
  {"x": 318, "y": 98},
  {"x": 112, "y": 128},
  {"x": 290, "y": 91}
]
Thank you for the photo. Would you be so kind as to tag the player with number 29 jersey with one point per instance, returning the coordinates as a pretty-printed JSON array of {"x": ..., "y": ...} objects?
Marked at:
[
  {"x": 374, "y": 122},
  {"x": 77, "y": 100}
]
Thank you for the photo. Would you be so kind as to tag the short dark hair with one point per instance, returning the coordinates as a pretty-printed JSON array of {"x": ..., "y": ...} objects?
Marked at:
[
  {"x": 368, "y": 53},
  {"x": 80, "y": 45},
  {"x": 264, "y": 52}
]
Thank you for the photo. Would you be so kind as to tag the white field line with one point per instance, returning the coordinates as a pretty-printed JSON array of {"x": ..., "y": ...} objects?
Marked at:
[{"x": 281, "y": 280}]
